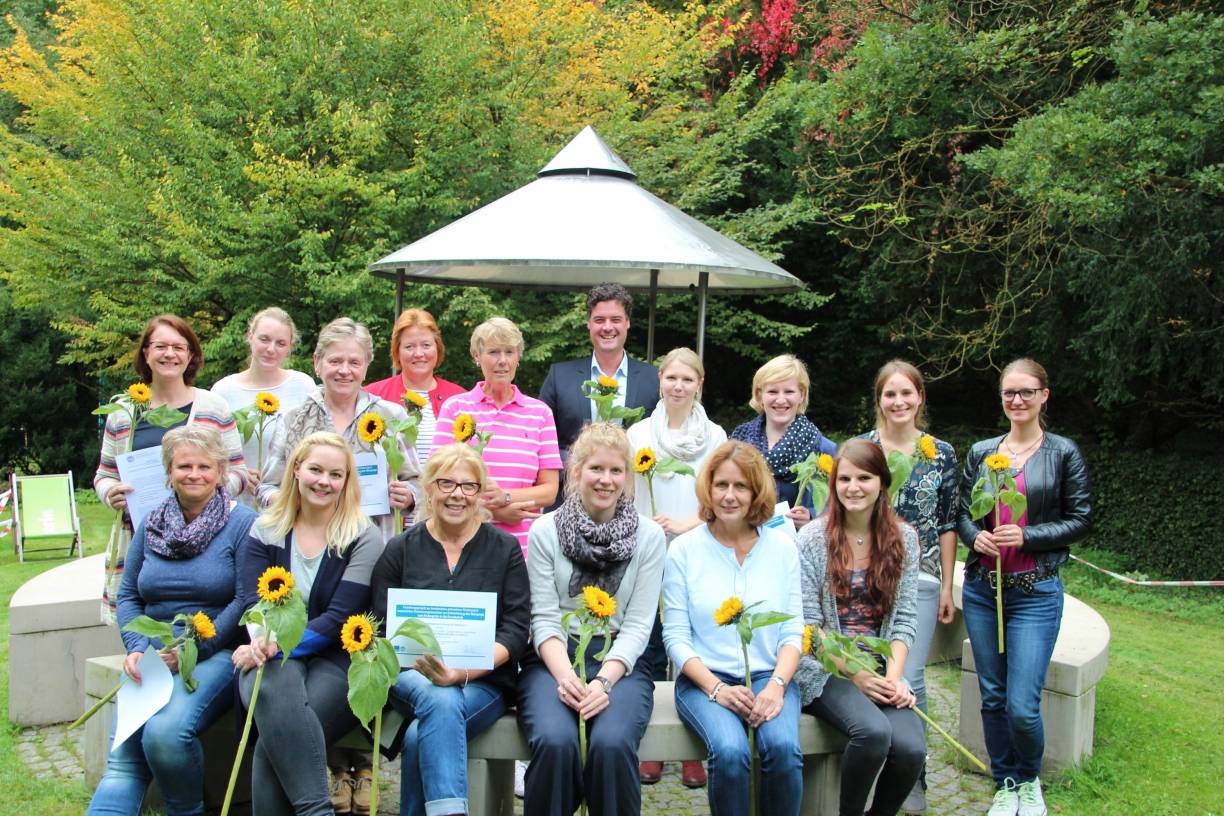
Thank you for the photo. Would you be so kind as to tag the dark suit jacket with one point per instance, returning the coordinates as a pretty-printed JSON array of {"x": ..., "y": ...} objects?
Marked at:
[{"x": 562, "y": 392}]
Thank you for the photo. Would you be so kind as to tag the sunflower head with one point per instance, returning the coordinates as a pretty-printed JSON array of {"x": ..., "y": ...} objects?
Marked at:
[
  {"x": 607, "y": 385},
  {"x": 275, "y": 584},
  {"x": 267, "y": 404},
  {"x": 357, "y": 633},
  {"x": 412, "y": 400},
  {"x": 370, "y": 427},
  {"x": 465, "y": 426},
  {"x": 601, "y": 604},
  {"x": 643, "y": 460},
  {"x": 825, "y": 462},
  {"x": 926, "y": 446},
  {"x": 203, "y": 626},
  {"x": 729, "y": 611},
  {"x": 808, "y": 632},
  {"x": 139, "y": 392},
  {"x": 998, "y": 462}
]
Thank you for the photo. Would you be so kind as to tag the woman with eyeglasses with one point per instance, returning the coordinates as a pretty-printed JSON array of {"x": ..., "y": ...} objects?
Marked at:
[
  {"x": 453, "y": 548},
  {"x": 1050, "y": 471},
  {"x": 168, "y": 357}
]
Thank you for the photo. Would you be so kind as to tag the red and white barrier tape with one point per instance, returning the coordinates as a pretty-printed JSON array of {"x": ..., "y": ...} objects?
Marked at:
[{"x": 1124, "y": 579}]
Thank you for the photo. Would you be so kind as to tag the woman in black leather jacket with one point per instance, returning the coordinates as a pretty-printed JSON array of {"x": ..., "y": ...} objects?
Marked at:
[{"x": 1050, "y": 471}]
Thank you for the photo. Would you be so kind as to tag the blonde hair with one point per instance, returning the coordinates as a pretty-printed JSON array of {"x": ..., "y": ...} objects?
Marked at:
[
  {"x": 1029, "y": 366},
  {"x": 344, "y": 328},
  {"x": 415, "y": 319},
  {"x": 684, "y": 356},
  {"x": 207, "y": 439},
  {"x": 271, "y": 313},
  {"x": 910, "y": 372},
  {"x": 594, "y": 436},
  {"x": 760, "y": 481},
  {"x": 447, "y": 458},
  {"x": 782, "y": 367},
  {"x": 347, "y": 521},
  {"x": 496, "y": 331}
]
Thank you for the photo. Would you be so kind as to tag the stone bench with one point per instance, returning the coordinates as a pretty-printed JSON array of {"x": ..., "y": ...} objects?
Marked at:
[
  {"x": 54, "y": 627},
  {"x": 1068, "y": 698}
]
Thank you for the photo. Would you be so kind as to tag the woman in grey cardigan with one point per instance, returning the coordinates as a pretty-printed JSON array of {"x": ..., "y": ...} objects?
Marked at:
[
  {"x": 859, "y": 570},
  {"x": 595, "y": 538}
]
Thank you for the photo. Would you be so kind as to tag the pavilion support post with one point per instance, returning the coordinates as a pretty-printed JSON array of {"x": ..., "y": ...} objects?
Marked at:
[
  {"x": 399, "y": 293},
  {"x": 703, "y": 286},
  {"x": 650, "y": 319}
]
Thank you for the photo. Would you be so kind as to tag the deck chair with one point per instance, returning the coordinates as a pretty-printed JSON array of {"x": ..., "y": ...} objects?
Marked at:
[{"x": 44, "y": 507}]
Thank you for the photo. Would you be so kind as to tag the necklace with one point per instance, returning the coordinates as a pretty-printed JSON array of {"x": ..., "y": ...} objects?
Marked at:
[{"x": 1032, "y": 445}]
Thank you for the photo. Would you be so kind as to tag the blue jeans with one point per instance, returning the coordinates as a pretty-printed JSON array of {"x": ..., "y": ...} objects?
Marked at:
[
  {"x": 726, "y": 740},
  {"x": 433, "y": 766},
  {"x": 1011, "y": 682},
  {"x": 167, "y": 748}
]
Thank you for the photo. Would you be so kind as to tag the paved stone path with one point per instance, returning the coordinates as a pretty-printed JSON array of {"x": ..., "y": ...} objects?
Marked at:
[{"x": 51, "y": 752}]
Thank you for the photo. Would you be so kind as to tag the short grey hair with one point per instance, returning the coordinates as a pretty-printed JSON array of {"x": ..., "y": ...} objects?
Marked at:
[
  {"x": 344, "y": 328},
  {"x": 207, "y": 439},
  {"x": 496, "y": 331}
]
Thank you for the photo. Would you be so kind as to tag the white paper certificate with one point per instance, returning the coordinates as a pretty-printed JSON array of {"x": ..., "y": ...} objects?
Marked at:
[
  {"x": 137, "y": 702},
  {"x": 780, "y": 521},
  {"x": 143, "y": 470},
  {"x": 372, "y": 479},
  {"x": 463, "y": 622}
]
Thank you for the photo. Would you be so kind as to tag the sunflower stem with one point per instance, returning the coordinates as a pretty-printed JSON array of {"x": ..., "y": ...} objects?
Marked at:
[
  {"x": 582, "y": 735},
  {"x": 650, "y": 492},
  {"x": 752, "y": 755},
  {"x": 998, "y": 580},
  {"x": 374, "y": 782},
  {"x": 93, "y": 709},
  {"x": 242, "y": 743},
  {"x": 395, "y": 521}
]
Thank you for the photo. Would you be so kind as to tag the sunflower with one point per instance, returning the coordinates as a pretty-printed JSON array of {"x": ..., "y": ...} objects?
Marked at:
[
  {"x": 808, "y": 632},
  {"x": 607, "y": 385},
  {"x": 266, "y": 403},
  {"x": 998, "y": 462},
  {"x": 357, "y": 633},
  {"x": 643, "y": 460},
  {"x": 465, "y": 426},
  {"x": 203, "y": 626},
  {"x": 926, "y": 445},
  {"x": 370, "y": 427},
  {"x": 275, "y": 584},
  {"x": 412, "y": 399},
  {"x": 825, "y": 462},
  {"x": 139, "y": 392},
  {"x": 729, "y": 611},
  {"x": 601, "y": 604}
]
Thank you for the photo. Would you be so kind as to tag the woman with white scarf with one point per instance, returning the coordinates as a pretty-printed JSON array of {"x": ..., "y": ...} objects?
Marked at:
[{"x": 677, "y": 429}]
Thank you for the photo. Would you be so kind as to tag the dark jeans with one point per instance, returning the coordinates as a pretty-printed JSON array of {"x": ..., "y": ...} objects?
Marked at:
[
  {"x": 556, "y": 779},
  {"x": 1011, "y": 682},
  {"x": 302, "y": 708},
  {"x": 884, "y": 740}
]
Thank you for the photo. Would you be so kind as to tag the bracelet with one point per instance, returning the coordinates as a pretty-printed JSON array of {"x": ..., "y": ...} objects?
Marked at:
[
  {"x": 714, "y": 693},
  {"x": 605, "y": 682}
]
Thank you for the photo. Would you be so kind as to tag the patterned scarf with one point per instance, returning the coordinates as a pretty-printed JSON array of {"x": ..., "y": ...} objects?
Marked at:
[
  {"x": 170, "y": 536},
  {"x": 800, "y": 439},
  {"x": 599, "y": 553},
  {"x": 304, "y": 420},
  {"x": 689, "y": 443}
]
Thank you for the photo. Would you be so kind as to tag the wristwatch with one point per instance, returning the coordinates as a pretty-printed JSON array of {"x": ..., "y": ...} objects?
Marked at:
[
  {"x": 506, "y": 499},
  {"x": 603, "y": 681},
  {"x": 781, "y": 683}
]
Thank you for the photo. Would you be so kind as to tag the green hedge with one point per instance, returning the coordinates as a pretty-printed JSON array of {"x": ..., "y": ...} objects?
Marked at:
[{"x": 1163, "y": 511}]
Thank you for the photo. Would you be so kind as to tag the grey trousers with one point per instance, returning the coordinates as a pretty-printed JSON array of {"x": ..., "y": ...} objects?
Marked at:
[{"x": 302, "y": 708}]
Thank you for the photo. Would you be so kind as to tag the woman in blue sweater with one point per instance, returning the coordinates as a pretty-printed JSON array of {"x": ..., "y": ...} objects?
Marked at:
[
  {"x": 182, "y": 560},
  {"x": 316, "y": 530}
]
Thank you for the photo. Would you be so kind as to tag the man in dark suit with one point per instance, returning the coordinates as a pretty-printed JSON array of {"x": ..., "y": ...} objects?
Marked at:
[{"x": 609, "y": 306}]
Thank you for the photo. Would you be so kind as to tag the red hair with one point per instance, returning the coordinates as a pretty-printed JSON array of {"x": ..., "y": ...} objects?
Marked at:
[{"x": 887, "y": 547}]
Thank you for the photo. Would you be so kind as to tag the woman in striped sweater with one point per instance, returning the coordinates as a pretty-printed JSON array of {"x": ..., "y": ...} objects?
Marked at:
[{"x": 168, "y": 357}]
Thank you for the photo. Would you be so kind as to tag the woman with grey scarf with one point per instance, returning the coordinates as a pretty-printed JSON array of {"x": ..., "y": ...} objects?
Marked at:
[{"x": 595, "y": 538}]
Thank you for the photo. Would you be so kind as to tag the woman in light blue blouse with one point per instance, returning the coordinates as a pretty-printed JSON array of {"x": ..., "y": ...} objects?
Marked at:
[
  {"x": 928, "y": 501},
  {"x": 732, "y": 553}
]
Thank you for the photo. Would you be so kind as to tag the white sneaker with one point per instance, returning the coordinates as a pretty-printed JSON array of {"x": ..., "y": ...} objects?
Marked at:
[
  {"x": 1006, "y": 800},
  {"x": 520, "y": 779},
  {"x": 1031, "y": 801}
]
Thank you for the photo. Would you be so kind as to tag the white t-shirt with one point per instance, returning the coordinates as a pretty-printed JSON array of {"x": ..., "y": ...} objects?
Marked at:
[{"x": 425, "y": 430}]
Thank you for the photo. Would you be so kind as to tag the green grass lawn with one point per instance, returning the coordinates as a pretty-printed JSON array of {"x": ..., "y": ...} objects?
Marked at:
[{"x": 1159, "y": 739}]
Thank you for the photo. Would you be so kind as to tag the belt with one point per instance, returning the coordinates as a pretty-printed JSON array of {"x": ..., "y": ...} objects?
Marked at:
[{"x": 1026, "y": 580}]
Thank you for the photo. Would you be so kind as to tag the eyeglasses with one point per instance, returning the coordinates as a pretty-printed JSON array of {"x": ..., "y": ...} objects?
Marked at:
[
  {"x": 1025, "y": 394},
  {"x": 162, "y": 348},
  {"x": 448, "y": 486}
]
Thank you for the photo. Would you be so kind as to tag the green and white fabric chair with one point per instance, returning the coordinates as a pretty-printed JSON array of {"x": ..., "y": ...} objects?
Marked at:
[{"x": 44, "y": 507}]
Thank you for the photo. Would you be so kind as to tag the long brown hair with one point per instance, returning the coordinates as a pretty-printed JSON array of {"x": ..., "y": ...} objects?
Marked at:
[{"x": 887, "y": 546}]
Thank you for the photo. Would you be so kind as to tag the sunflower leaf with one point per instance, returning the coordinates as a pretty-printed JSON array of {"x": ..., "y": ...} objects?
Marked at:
[
  {"x": 153, "y": 629},
  {"x": 419, "y": 631},
  {"x": 385, "y": 654},
  {"x": 287, "y": 620},
  {"x": 163, "y": 416},
  {"x": 188, "y": 653},
  {"x": 368, "y": 685}
]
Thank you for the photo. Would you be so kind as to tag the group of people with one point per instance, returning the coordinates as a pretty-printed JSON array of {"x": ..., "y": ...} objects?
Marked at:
[{"x": 553, "y": 504}]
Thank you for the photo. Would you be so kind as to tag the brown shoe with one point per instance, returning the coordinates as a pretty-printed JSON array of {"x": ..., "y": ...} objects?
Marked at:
[
  {"x": 363, "y": 786},
  {"x": 650, "y": 772},
  {"x": 693, "y": 774},
  {"x": 340, "y": 787}
]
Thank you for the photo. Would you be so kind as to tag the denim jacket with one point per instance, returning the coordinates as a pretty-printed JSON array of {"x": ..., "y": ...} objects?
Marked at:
[{"x": 1059, "y": 500}]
